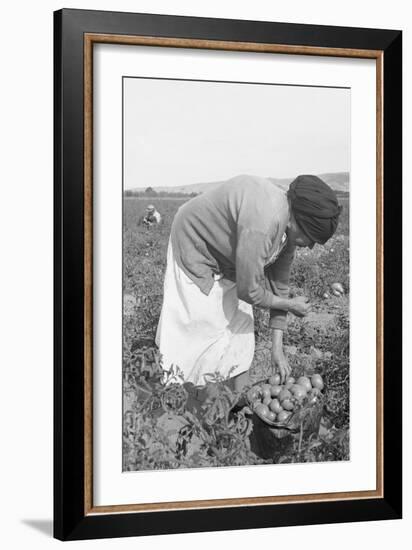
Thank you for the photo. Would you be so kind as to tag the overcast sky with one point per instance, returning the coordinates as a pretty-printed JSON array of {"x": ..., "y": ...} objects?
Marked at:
[{"x": 183, "y": 132}]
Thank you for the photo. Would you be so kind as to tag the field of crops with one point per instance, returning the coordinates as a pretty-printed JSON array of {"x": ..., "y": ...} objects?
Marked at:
[{"x": 160, "y": 433}]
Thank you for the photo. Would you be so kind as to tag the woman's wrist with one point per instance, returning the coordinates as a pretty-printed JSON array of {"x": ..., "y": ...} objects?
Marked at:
[
  {"x": 281, "y": 303},
  {"x": 277, "y": 340}
]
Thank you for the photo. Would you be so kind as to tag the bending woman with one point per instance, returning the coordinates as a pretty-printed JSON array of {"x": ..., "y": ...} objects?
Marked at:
[{"x": 231, "y": 248}]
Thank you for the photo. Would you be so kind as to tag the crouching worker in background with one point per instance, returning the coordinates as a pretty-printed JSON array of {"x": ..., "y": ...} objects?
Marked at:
[
  {"x": 231, "y": 248},
  {"x": 152, "y": 216}
]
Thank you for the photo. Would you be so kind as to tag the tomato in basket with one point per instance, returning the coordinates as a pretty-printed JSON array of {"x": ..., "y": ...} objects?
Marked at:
[
  {"x": 305, "y": 382},
  {"x": 285, "y": 405},
  {"x": 283, "y": 416},
  {"x": 317, "y": 381}
]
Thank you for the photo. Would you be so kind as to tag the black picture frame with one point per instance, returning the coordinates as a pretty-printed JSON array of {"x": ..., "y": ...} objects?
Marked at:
[{"x": 71, "y": 521}]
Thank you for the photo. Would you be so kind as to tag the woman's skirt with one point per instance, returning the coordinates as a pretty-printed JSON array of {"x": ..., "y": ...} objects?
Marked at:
[{"x": 203, "y": 334}]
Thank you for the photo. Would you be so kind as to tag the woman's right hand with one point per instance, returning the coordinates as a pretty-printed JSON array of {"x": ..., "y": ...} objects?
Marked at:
[{"x": 300, "y": 306}]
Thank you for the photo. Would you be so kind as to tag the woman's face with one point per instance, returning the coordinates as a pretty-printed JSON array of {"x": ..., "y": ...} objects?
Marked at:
[{"x": 296, "y": 235}]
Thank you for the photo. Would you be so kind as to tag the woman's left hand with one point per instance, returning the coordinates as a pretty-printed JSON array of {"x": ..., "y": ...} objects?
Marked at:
[{"x": 279, "y": 361}]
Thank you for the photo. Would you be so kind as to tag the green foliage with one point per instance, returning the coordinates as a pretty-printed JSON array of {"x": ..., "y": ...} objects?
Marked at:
[
  {"x": 220, "y": 438},
  {"x": 160, "y": 430},
  {"x": 314, "y": 271}
]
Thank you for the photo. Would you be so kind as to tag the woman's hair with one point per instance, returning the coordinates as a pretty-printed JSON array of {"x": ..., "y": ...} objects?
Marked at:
[{"x": 315, "y": 207}]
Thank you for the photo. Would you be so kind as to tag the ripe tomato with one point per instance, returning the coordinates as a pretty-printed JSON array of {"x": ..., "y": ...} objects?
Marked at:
[
  {"x": 266, "y": 388},
  {"x": 271, "y": 416},
  {"x": 267, "y": 400},
  {"x": 288, "y": 405},
  {"x": 275, "y": 390},
  {"x": 305, "y": 382},
  {"x": 275, "y": 406},
  {"x": 289, "y": 382},
  {"x": 252, "y": 394},
  {"x": 317, "y": 381},
  {"x": 284, "y": 394},
  {"x": 274, "y": 380},
  {"x": 338, "y": 288},
  {"x": 262, "y": 410},
  {"x": 298, "y": 391},
  {"x": 282, "y": 416},
  {"x": 256, "y": 403}
]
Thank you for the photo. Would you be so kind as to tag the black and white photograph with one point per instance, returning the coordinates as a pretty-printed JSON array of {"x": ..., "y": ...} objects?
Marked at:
[
  {"x": 205, "y": 290},
  {"x": 236, "y": 265}
]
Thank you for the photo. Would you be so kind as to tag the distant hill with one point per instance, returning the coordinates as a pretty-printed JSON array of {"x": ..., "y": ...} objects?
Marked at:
[{"x": 339, "y": 181}]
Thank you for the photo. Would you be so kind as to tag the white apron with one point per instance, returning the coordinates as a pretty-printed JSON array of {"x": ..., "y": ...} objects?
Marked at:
[{"x": 202, "y": 333}]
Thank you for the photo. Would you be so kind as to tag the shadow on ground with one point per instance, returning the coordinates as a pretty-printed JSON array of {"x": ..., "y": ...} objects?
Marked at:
[{"x": 45, "y": 526}]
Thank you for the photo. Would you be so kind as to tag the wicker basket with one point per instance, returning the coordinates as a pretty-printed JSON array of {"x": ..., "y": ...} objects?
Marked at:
[{"x": 306, "y": 418}]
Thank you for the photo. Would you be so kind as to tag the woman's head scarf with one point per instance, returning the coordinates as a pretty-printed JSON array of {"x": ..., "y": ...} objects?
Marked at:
[{"x": 315, "y": 207}]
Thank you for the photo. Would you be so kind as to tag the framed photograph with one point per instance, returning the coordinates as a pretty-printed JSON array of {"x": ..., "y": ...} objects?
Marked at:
[{"x": 228, "y": 242}]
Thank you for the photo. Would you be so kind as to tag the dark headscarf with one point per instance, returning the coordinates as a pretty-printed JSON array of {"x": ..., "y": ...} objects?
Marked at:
[{"x": 315, "y": 207}]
